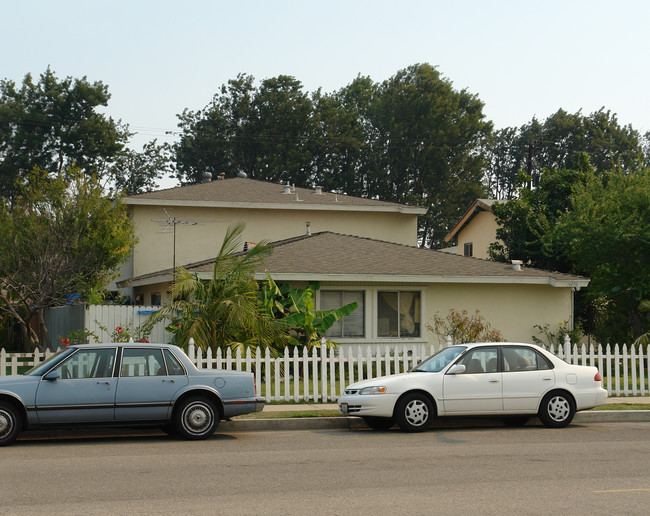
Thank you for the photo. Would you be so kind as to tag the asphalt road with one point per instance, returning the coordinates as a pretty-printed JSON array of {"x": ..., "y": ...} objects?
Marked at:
[{"x": 584, "y": 469}]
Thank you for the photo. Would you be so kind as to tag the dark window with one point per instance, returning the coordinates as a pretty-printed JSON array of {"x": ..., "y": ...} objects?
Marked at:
[
  {"x": 142, "y": 362},
  {"x": 523, "y": 359},
  {"x": 174, "y": 367},
  {"x": 481, "y": 360},
  {"x": 468, "y": 249},
  {"x": 352, "y": 325},
  {"x": 398, "y": 314},
  {"x": 88, "y": 363},
  {"x": 155, "y": 298}
]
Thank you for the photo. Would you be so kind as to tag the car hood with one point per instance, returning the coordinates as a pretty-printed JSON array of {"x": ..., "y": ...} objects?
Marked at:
[
  {"x": 386, "y": 381},
  {"x": 7, "y": 382}
]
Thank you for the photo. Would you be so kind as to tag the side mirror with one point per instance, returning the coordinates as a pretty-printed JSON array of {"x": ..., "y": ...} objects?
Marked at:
[
  {"x": 456, "y": 369},
  {"x": 52, "y": 375}
]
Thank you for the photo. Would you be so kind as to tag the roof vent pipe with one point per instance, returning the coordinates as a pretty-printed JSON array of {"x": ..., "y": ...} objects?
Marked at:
[
  {"x": 307, "y": 228},
  {"x": 287, "y": 189},
  {"x": 516, "y": 265},
  {"x": 206, "y": 177},
  {"x": 318, "y": 190}
]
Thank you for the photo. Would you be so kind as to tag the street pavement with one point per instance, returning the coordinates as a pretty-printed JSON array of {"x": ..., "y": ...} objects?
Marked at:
[{"x": 327, "y": 423}]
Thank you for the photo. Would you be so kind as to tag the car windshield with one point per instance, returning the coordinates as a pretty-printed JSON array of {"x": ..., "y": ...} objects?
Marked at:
[
  {"x": 40, "y": 368},
  {"x": 439, "y": 361}
]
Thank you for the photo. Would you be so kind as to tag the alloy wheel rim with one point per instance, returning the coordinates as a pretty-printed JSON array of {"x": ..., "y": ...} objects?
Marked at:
[
  {"x": 6, "y": 423},
  {"x": 197, "y": 418},
  {"x": 417, "y": 413},
  {"x": 558, "y": 408}
]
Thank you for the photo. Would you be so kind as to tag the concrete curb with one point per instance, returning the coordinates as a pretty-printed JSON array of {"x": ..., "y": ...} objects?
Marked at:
[{"x": 356, "y": 423}]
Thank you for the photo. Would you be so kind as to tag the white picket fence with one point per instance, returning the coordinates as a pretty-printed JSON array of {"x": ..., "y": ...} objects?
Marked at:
[{"x": 321, "y": 374}]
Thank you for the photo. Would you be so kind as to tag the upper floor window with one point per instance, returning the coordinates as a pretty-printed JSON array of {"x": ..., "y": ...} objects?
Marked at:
[
  {"x": 398, "y": 314},
  {"x": 351, "y": 325},
  {"x": 468, "y": 249}
]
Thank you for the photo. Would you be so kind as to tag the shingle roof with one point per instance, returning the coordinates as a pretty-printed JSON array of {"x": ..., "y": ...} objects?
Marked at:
[
  {"x": 335, "y": 256},
  {"x": 244, "y": 192}
]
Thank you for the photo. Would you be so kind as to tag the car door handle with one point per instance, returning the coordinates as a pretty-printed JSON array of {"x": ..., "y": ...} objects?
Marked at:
[
  {"x": 547, "y": 379},
  {"x": 494, "y": 380},
  {"x": 170, "y": 380},
  {"x": 103, "y": 383}
]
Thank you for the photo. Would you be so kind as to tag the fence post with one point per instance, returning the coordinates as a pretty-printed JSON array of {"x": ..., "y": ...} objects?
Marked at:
[
  {"x": 191, "y": 352},
  {"x": 323, "y": 369},
  {"x": 449, "y": 342},
  {"x": 567, "y": 349}
]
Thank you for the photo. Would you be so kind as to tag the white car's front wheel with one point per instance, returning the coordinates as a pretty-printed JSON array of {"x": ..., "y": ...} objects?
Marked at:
[{"x": 414, "y": 412}]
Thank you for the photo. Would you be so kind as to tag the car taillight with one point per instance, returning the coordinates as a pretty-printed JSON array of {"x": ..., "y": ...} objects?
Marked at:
[{"x": 598, "y": 378}]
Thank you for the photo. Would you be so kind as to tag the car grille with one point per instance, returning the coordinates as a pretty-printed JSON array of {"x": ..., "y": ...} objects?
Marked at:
[{"x": 353, "y": 409}]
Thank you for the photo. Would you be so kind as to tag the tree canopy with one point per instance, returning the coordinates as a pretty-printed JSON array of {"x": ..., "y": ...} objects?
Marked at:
[
  {"x": 54, "y": 124},
  {"x": 597, "y": 225},
  {"x": 61, "y": 237},
  {"x": 411, "y": 139}
]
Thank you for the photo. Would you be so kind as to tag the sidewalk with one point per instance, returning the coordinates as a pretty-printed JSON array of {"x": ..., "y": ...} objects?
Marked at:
[{"x": 303, "y": 407}]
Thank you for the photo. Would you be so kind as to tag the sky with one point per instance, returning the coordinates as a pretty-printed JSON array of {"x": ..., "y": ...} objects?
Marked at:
[{"x": 522, "y": 58}]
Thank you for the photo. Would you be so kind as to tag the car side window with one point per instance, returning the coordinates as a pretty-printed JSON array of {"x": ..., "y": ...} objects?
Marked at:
[
  {"x": 523, "y": 359},
  {"x": 481, "y": 360},
  {"x": 142, "y": 362},
  {"x": 174, "y": 367},
  {"x": 88, "y": 363}
]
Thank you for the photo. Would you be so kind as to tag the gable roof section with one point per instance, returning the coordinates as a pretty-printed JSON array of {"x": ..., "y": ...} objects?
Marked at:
[
  {"x": 330, "y": 256},
  {"x": 250, "y": 193},
  {"x": 478, "y": 206}
]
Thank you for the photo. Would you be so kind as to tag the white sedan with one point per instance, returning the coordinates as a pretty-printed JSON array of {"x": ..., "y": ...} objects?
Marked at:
[{"x": 509, "y": 380}]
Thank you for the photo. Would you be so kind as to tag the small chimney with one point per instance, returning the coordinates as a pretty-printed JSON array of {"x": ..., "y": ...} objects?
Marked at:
[
  {"x": 287, "y": 189},
  {"x": 206, "y": 177},
  {"x": 516, "y": 265},
  {"x": 318, "y": 190},
  {"x": 308, "y": 228},
  {"x": 222, "y": 176}
]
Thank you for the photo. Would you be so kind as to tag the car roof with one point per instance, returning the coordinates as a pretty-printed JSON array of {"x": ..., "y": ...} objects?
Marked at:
[
  {"x": 476, "y": 344},
  {"x": 122, "y": 345}
]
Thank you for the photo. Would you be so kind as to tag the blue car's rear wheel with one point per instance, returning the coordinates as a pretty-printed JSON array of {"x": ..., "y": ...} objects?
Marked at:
[
  {"x": 10, "y": 423},
  {"x": 196, "y": 418}
]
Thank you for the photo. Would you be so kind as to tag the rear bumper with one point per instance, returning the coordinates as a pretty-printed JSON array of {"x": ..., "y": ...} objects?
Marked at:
[{"x": 259, "y": 404}]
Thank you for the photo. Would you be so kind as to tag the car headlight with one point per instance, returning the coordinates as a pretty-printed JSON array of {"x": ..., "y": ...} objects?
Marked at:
[{"x": 373, "y": 390}]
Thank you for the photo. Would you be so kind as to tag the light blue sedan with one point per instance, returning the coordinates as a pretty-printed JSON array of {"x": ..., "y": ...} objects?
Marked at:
[{"x": 124, "y": 384}]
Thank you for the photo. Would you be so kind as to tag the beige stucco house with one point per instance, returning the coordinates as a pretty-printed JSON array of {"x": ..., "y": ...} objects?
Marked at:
[
  {"x": 359, "y": 249},
  {"x": 475, "y": 231}
]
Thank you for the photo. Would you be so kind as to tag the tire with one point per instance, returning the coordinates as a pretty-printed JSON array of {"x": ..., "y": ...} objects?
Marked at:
[
  {"x": 10, "y": 423},
  {"x": 414, "y": 412},
  {"x": 557, "y": 410},
  {"x": 515, "y": 420},
  {"x": 378, "y": 423},
  {"x": 195, "y": 418}
]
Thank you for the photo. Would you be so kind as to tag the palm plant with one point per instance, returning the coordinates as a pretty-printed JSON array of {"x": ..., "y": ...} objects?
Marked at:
[
  {"x": 644, "y": 340},
  {"x": 223, "y": 311}
]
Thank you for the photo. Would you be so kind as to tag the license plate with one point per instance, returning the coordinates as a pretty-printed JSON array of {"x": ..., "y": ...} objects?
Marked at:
[{"x": 344, "y": 408}]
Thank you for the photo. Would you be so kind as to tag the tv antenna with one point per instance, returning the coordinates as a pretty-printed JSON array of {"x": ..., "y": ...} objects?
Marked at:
[{"x": 170, "y": 223}]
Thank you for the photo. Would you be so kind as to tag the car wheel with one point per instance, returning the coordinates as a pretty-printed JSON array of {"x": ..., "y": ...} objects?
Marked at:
[
  {"x": 10, "y": 424},
  {"x": 557, "y": 410},
  {"x": 378, "y": 423},
  {"x": 515, "y": 420},
  {"x": 196, "y": 418},
  {"x": 414, "y": 412}
]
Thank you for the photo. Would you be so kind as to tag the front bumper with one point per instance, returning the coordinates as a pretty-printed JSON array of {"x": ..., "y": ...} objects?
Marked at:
[{"x": 379, "y": 405}]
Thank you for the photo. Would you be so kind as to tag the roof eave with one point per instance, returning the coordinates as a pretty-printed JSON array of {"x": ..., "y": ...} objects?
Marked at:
[{"x": 296, "y": 205}]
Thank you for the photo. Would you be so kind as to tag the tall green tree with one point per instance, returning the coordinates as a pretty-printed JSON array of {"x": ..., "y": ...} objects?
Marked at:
[
  {"x": 606, "y": 232},
  {"x": 60, "y": 237},
  {"x": 54, "y": 124},
  {"x": 430, "y": 136}
]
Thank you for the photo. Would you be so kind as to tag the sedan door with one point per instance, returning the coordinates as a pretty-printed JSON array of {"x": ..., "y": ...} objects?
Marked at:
[
  {"x": 81, "y": 389},
  {"x": 527, "y": 376},
  {"x": 146, "y": 388},
  {"x": 478, "y": 389}
]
